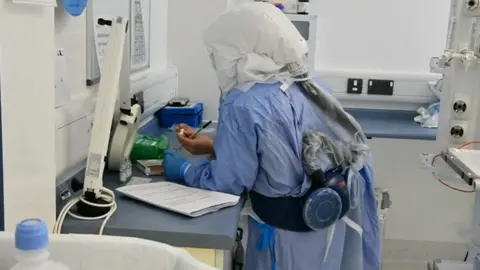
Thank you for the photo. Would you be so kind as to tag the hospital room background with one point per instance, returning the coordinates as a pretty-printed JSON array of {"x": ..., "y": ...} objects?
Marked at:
[
  {"x": 393, "y": 39},
  {"x": 365, "y": 36}
]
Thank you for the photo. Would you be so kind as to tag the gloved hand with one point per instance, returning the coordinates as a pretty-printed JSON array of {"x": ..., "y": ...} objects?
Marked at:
[
  {"x": 174, "y": 166},
  {"x": 200, "y": 145}
]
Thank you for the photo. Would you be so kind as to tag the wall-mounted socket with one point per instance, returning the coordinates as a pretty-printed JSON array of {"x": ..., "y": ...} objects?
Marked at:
[
  {"x": 354, "y": 86},
  {"x": 459, "y": 132},
  {"x": 462, "y": 107},
  {"x": 380, "y": 87},
  {"x": 471, "y": 8}
]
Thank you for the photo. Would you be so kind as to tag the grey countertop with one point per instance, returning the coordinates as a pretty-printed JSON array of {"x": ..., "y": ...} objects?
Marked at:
[
  {"x": 388, "y": 124},
  {"x": 391, "y": 124},
  {"x": 135, "y": 219}
]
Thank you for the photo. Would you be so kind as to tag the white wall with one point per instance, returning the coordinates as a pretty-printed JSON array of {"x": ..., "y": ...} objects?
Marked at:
[
  {"x": 380, "y": 35},
  {"x": 392, "y": 39},
  {"x": 73, "y": 121},
  {"x": 396, "y": 36},
  {"x": 27, "y": 85},
  {"x": 187, "y": 20}
]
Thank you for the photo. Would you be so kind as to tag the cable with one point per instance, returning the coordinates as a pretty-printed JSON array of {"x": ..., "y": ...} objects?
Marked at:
[
  {"x": 106, "y": 194},
  {"x": 447, "y": 185}
]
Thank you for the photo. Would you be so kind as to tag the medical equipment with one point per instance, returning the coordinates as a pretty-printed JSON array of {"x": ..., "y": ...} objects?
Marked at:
[
  {"x": 127, "y": 126},
  {"x": 458, "y": 122},
  {"x": 326, "y": 202},
  {"x": 329, "y": 197},
  {"x": 98, "y": 202}
]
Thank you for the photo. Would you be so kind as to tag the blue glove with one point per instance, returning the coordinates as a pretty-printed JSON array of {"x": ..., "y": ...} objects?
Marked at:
[{"x": 174, "y": 166}]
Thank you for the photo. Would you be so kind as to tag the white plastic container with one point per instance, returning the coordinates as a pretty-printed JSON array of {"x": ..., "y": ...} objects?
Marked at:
[
  {"x": 31, "y": 242},
  {"x": 101, "y": 252}
]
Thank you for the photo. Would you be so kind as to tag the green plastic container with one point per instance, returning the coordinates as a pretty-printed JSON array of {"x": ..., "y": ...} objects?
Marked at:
[{"x": 146, "y": 147}]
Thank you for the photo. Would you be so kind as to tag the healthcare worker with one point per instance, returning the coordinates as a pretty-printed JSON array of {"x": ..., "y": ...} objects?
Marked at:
[{"x": 277, "y": 129}]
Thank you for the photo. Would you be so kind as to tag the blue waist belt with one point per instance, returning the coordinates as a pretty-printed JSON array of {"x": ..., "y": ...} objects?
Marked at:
[
  {"x": 283, "y": 212},
  {"x": 326, "y": 201}
]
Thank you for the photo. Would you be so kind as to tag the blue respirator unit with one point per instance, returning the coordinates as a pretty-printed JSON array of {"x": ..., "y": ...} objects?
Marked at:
[{"x": 328, "y": 199}]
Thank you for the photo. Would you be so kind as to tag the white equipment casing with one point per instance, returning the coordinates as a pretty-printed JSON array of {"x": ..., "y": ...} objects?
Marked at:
[
  {"x": 459, "y": 121},
  {"x": 124, "y": 137},
  {"x": 105, "y": 106},
  {"x": 461, "y": 88},
  {"x": 127, "y": 120}
]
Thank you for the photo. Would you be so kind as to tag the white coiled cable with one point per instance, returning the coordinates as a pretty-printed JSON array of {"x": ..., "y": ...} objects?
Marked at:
[{"x": 106, "y": 194}]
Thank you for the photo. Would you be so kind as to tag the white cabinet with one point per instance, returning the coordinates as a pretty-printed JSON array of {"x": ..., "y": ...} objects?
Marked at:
[{"x": 422, "y": 209}]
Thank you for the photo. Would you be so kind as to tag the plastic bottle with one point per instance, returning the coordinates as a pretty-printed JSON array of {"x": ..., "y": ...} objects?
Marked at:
[
  {"x": 125, "y": 170},
  {"x": 31, "y": 241}
]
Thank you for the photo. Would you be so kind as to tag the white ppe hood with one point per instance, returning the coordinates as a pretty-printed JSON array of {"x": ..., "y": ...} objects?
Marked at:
[{"x": 252, "y": 43}]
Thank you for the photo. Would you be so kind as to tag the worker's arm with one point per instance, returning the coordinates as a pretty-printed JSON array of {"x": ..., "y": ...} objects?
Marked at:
[
  {"x": 235, "y": 146},
  {"x": 201, "y": 144}
]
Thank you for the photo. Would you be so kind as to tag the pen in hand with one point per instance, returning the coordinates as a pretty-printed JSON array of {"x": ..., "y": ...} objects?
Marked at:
[{"x": 195, "y": 134}]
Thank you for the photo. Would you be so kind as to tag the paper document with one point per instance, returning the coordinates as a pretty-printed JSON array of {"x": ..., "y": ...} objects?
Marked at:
[
  {"x": 180, "y": 199},
  {"x": 62, "y": 89},
  {"x": 139, "y": 54},
  {"x": 138, "y": 181}
]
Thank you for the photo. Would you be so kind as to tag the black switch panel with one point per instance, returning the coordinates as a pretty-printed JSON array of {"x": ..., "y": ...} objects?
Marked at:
[
  {"x": 380, "y": 87},
  {"x": 354, "y": 86}
]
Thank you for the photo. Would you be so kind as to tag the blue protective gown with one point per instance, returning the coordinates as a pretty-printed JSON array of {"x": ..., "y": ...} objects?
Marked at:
[{"x": 258, "y": 147}]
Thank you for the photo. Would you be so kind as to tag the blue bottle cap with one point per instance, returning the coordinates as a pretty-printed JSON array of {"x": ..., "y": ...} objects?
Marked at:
[{"x": 31, "y": 234}]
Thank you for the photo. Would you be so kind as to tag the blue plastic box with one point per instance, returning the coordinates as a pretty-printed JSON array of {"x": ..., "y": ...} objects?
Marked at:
[{"x": 192, "y": 115}]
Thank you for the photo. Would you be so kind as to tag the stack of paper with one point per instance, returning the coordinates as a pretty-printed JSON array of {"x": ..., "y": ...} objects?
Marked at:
[{"x": 180, "y": 199}]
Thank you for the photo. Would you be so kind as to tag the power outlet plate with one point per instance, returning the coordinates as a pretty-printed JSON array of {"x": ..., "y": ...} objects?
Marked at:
[
  {"x": 459, "y": 132},
  {"x": 462, "y": 108},
  {"x": 471, "y": 8},
  {"x": 380, "y": 87},
  {"x": 354, "y": 86}
]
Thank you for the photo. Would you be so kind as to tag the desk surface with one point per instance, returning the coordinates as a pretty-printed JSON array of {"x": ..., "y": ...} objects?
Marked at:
[
  {"x": 135, "y": 219},
  {"x": 391, "y": 124}
]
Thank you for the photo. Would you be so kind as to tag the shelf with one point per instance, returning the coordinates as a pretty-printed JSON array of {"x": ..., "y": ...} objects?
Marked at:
[
  {"x": 301, "y": 17},
  {"x": 463, "y": 162}
]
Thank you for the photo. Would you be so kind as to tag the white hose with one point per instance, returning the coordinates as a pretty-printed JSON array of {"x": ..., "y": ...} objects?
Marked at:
[{"x": 107, "y": 195}]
